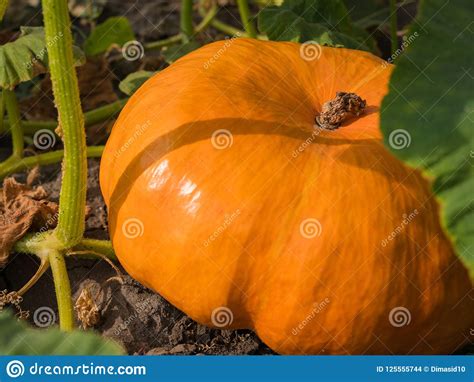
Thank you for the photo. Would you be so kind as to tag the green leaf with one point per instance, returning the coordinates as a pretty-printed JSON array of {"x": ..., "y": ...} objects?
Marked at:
[
  {"x": 113, "y": 31},
  {"x": 368, "y": 13},
  {"x": 172, "y": 53},
  {"x": 16, "y": 338},
  {"x": 431, "y": 102},
  {"x": 325, "y": 22},
  {"x": 90, "y": 9},
  {"x": 27, "y": 57},
  {"x": 133, "y": 81}
]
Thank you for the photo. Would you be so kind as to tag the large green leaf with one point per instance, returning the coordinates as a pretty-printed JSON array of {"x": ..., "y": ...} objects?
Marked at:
[
  {"x": 325, "y": 22},
  {"x": 26, "y": 57},
  {"x": 113, "y": 31},
  {"x": 16, "y": 338},
  {"x": 368, "y": 13},
  {"x": 431, "y": 103}
]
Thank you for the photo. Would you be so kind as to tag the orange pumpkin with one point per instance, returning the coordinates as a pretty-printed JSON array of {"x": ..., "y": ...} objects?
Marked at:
[{"x": 226, "y": 199}]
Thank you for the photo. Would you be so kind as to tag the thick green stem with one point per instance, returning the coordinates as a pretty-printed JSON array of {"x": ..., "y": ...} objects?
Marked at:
[
  {"x": 104, "y": 247},
  {"x": 186, "y": 19},
  {"x": 72, "y": 199},
  {"x": 393, "y": 26},
  {"x": 91, "y": 117},
  {"x": 13, "y": 112},
  {"x": 13, "y": 165},
  {"x": 245, "y": 17},
  {"x": 35, "y": 243},
  {"x": 63, "y": 290}
]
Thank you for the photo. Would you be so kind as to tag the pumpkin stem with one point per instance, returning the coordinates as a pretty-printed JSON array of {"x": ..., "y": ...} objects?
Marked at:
[{"x": 337, "y": 110}]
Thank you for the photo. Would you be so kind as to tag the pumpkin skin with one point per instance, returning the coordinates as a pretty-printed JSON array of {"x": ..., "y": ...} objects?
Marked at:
[{"x": 220, "y": 224}]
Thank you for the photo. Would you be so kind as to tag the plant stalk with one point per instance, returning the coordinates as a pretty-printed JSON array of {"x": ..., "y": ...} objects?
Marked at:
[
  {"x": 245, "y": 17},
  {"x": 393, "y": 26},
  {"x": 91, "y": 117},
  {"x": 3, "y": 8},
  {"x": 63, "y": 290},
  {"x": 104, "y": 247},
  {"x": 205, "y": 22},
  {"x": 72, "y": 199},
  {"x": 13, "y": 112},
  {"x": 186, "y": 20},
  {"x": 13, "y": 165}
]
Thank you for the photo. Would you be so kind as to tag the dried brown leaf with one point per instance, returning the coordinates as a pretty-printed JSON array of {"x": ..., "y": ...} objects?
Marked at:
[{"x": 22, "y": 209}]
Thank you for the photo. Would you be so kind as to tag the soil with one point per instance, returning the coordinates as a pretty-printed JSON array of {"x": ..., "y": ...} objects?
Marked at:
[{"x": 141, "y": 320}]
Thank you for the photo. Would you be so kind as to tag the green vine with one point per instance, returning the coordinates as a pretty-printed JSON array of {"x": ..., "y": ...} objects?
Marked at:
[
  {"x": 13, "y": 165},
  {"x": 186, "y": 20},
  {"x": 13, "y": 112},
  {"x": 63, "y": 289},
  {"x": 207, "y": 18},
  {"x": 393, "y": 26},
  {"x": 72, "y": 199},
  {"x": 244, "y": 16},
  {"x": 91, "y": 117}
]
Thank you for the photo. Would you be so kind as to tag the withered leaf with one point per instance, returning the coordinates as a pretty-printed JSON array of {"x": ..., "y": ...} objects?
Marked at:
[{"x": 22, "y": 209}]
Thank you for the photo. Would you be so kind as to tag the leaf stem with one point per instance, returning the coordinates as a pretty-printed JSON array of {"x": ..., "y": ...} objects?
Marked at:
[
  {"x": 91, "y": 117},
  {"x": 13, "y": 165},
  {"x": 13, "y": 112},
  {"x": 63, "y": 290},
  {"x": 72, "y": 198},
  {"x": 205, "y": 22},
  {"x": 226, "y": 28},
  {"x": 245, "y": 17},
  {"x": 186, "y": 20},
  {"x": 43, "y": 267},
  {"x": 104, "y": 247},
  {"x": 3, "y": 8},
  {"x": 393, "y": 26}
]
